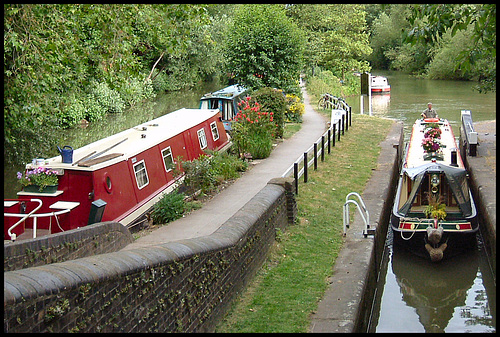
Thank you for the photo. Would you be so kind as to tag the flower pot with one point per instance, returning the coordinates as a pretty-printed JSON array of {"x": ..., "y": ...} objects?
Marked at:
[{"x": 36, "y": 189}]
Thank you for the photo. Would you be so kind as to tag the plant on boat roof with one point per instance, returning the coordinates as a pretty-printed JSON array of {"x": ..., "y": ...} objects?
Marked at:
[
  {"x": 40, "y": 176},
  {"x": 431, "y": 144},
  {"x": 433, "y": 132},
  {"x": 436, "y": 208}
]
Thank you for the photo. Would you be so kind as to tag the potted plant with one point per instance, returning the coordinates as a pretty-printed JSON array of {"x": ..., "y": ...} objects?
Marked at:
[
  {"x": 436, "y": 209},
  {"x": 40, "y": 179}
]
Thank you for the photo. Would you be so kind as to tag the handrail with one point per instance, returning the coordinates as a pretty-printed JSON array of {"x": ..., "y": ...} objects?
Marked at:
[
  {"x": 362, "y": 210},
  {"x": 31, "y": 215},
  {"x": 24, "y": 217},
  {"x": 469, "y": 133}
]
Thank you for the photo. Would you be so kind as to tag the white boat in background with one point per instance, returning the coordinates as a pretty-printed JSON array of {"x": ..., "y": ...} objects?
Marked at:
[{"x": 379, "y": 84}]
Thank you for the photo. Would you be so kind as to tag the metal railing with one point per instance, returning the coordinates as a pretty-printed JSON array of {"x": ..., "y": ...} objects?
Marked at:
[
  {"x": 339, "y": 123},
  {"x": 31, "y": 214},
  {"x": 469, "y": 133},
  {"x": 362, "y": 210}
]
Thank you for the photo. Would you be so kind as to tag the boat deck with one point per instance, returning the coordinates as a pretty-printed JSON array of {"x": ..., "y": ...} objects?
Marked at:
[{"x": 415, "y": 154}]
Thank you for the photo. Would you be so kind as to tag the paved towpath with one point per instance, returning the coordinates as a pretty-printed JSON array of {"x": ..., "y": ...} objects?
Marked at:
[{"x": 221, "y": 207}]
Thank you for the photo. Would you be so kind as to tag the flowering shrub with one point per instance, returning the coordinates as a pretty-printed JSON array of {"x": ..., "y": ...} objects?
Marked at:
[
  {"x": 40, "y": 176},
  {"x": 253, "y": 130},
  {"x": 295, "y": 109}
]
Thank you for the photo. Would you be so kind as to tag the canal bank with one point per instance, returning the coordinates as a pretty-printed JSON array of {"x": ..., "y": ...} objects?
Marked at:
[
  {"x": 482, "y": 171},
  {"x": 345, "y": 306}
]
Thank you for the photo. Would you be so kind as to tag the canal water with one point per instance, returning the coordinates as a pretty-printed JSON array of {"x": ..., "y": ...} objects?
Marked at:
[{"x": 415, "y": 295}]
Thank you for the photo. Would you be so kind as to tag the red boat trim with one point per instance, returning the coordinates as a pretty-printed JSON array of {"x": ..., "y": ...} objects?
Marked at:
[{"x": 422, "y": 226}]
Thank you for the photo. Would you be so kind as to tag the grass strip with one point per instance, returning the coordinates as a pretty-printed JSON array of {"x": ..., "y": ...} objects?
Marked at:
[{"x": 289, "y": 285}]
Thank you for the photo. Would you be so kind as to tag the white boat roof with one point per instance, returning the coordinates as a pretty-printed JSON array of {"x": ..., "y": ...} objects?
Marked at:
[
  {"x": 415, "y": 154},
  {"x": 136, "y": 139}
]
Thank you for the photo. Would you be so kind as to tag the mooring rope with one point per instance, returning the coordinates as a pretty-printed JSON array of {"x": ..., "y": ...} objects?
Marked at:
[{"x": 413, "y": 233}]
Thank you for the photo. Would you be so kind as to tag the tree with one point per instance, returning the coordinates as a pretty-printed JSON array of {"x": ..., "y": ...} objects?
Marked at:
[
  {"x": 264, "y": 48},
  {"x": 430, "y": 22},
  {"x": 62, "y": 59},
  {"x": 337, "y": 36}
]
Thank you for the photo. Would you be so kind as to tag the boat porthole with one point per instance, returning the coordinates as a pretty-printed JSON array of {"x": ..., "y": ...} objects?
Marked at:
[{"x": 107, "y": 183}]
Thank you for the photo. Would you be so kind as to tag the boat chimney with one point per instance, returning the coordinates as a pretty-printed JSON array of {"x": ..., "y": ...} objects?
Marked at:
[{"x": 454, "y": 157}]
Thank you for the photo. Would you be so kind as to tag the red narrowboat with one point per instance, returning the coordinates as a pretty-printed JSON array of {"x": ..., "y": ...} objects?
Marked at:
[{"x": 118, "y": 178}]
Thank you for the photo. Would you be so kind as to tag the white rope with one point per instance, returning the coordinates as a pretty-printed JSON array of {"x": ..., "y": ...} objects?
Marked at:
[
  {"x": 413, "y": 233},
  {"x": 57, "y": 220}
]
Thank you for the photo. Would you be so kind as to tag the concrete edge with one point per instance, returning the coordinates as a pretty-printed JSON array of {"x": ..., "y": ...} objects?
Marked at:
[{"x": 343, "y": 305}]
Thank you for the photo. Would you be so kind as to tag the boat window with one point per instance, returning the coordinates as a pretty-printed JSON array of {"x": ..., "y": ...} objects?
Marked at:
[
  {"x": 141, "y": 174},
  {"x": 108, "y": 183},
  {"x": 215, "y": 131},
  {"x": 168, "y": 159},
  {"x": 202, "y": 138},
  {"x": 204, "y": 104},
  {"x": 228, "y": 110}
]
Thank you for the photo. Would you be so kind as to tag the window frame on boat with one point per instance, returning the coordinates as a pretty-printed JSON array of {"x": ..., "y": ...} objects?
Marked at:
[
  {"x": 202, "y": 138},
  {"x": 215, "y": 131},
  {"x": 164, "y": 156},
  {"x": 138, "y": 172}
]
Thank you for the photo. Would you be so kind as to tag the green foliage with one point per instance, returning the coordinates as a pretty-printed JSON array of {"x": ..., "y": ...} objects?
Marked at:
[
  {"x": 323, "y": 82},
  {"x": 447, "y": 51},
  {"x": 109, "y": 99},
  {"x": 336, "y": 34},
  {"x": 227, "y": 166},
  {"x": 429, "y": 23},
  {"x": 208, "y": 171},
  {"x": 199, "y": 174},
  {"x": 65, "y": 62},
  {"x": 264, "y": 47},
  {"x": 170, "y": 207},
  {"x": 272, "y": 100},
  {"x": 386, "y": 33}
]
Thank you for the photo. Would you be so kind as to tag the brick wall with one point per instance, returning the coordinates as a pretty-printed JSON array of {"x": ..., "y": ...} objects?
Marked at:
[
  {"x": 181, "y": 286},
  {"x": 99, "y": 238}
]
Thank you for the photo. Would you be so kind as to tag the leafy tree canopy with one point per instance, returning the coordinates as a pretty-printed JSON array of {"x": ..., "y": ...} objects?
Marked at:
[
  {"x": 430, "y": 21},
  {"x": 264, "y": 48}
]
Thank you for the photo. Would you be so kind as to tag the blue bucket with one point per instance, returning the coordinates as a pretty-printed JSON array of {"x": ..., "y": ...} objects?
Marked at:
[{"x": 66, "y": 154}]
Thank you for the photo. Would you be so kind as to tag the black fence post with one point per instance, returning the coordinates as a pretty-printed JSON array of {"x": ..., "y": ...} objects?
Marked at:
[
  {"x": 329, "y": 138},
  {"x": 343, "y": 124},
  {"x": 323, "y": 148},
  {"x": 350, "y": 116},
  {"x": 333, "y": 138},
  {"x": 338, "y": 133},
  {"x": 347, "y": 120}
]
